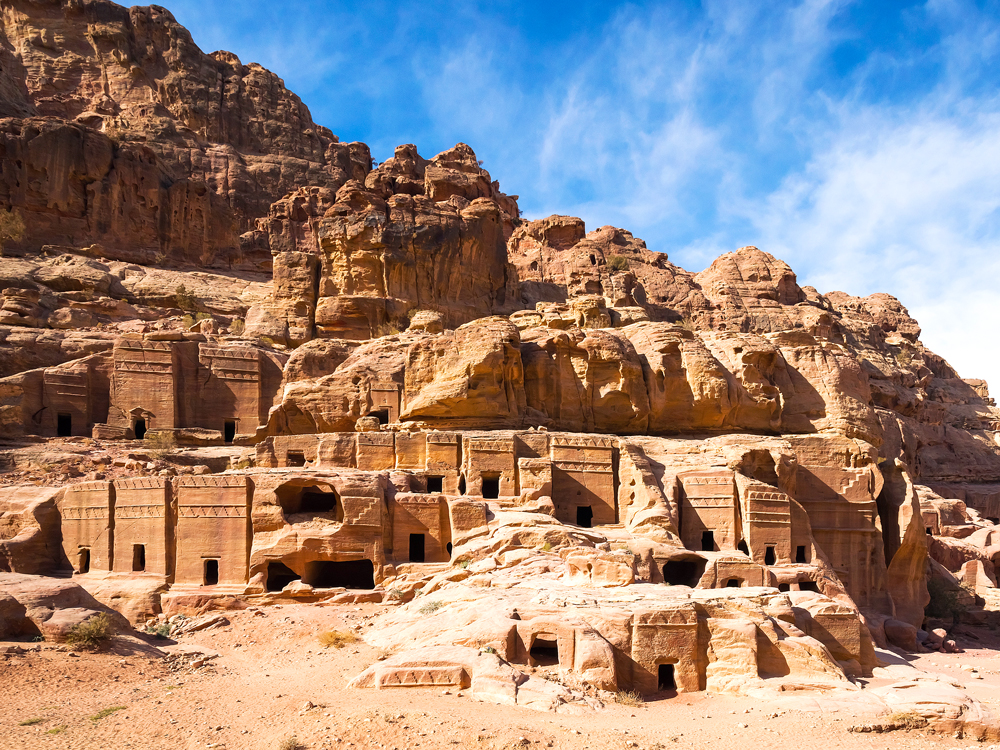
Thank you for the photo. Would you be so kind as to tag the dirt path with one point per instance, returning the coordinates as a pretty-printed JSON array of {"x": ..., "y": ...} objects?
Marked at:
[{"x": 271, "y": 667}]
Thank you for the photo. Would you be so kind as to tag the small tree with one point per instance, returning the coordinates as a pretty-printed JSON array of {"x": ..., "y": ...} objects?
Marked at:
[{"x": 11, "y": 227}]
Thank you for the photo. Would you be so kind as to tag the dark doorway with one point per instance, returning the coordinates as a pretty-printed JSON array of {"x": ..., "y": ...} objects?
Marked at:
[
  {"x": 382, "y": 414},
  {"x": 491, "y": 487},
  {"x": 461, "y": 485},
  {"x": 665, "y": 677},
  {"x": 315, "y": 500},
  {"x": 930, "y": 531},
  {"x": 800, "y": 554},
  {"x": 140, "y": 429},
  {"x": 279, "y": 575},
  {"x": 708, "y": 541},
  {"x": 64, "y": 425},
  {"x": 584, "y": 516},
  {"x": 211, "y": 572},
  {"x": 416, "y": 547},
  {"x": 138, "y": 558},
  {"x": 229, "y": 430},
  {"x": 809, "y": 586},
  {"x": 295, "y": 458},
  {"x": 448, "y": 547},
  {"x": 84, "y": 566},
  {"x": 784, "y": 587},
  {"x": 742, "y": 547},
  {"x": 435, "y": 484},
  {"x": 683, "y": 572},
  {"x": 733, "y": 583},
  {"x": 545, "y": 652},
  {"x": 769, "y": 557},
  {"x": 350, "y": 574}
]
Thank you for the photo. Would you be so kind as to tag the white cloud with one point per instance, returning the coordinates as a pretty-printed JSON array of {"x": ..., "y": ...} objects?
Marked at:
[{"x": 910, "y": 207}]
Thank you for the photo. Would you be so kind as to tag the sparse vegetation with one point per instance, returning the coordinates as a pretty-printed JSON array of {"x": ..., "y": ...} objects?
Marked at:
[
  {"x": 337, "y": 638},
  {"x": 57, "y": 730},
  {"x": 106, "y": 712},
  {"x": 629, "y": 698},
  {"x": 91, "y": 633},
  {"x": 184, "y": 299},
  {"x": 547, "y": 547},
  {"x": 395, "y": 595},
  {"x": 464, "y": 565},
  {"x": 160, "y": 631},
  {"x": 11, "y": 227},
  {"x": 618, "y": 263},
  {"x": 237, "y": 326},
  {"x": 289, "y": 743},
  {"x": 489, "y": 650},
  {"x": 687, "y": 324},
  {"x": 159, "y": 442},
  {"x": 904, "y": 358},
  {"x": 946, "y": 601},
  {"x": 31, "y": 722},
  {"x": 901, "y": 720},
  {"x": 430, "y": 607}
]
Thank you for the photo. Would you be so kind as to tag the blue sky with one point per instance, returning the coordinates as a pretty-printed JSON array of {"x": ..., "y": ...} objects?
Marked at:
[{"x": 859, "y": 142}]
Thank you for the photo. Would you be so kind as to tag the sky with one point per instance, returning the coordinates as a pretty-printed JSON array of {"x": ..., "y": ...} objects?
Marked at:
[{"x": 857, "y": 141}]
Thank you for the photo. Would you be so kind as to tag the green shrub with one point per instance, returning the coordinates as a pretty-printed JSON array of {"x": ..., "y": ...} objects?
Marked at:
[
  {"x": 946, "y": 601},
  {"x": 184, "y": 299},
  {"x": 105, "y": 712},
  {"x": 57, "y": 730},
  {"x": 31, "y": 722},
  {"x": 90, "y": 633}
]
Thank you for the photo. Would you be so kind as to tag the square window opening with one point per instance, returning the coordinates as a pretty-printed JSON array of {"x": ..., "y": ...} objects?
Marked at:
[
  {"x": 295, "y": 458},
  {"x": 809, "y": 586},
  {"x": 545, "y": 652},
  {"x": 435, "y": 484}
]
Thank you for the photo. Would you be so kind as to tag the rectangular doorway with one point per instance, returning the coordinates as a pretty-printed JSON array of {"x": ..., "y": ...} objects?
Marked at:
[
  {"x": 585, "y": 516},
  {"x": 229, "y": 431},
  {"x": 84, "y": 565},
  {"x": 665, "y": 677},
  {"x": 138, "y": 558},
  {"x": 64, "y": 425},
  {"x": 416, "y": 548},
  {"x": 211, "y": 572},
  {"x": 491, "y": 487}
]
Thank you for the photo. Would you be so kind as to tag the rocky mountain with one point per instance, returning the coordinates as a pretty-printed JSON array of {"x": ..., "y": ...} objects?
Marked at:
[{"x": 242, "y": 364}]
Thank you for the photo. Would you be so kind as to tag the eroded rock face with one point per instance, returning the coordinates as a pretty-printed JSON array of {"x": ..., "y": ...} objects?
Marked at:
[
  {"x": 398, "y": 387},
  {"x": 122, "y": 131}
]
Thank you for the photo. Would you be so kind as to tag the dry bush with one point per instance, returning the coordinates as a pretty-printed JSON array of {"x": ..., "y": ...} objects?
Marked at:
[
  {"x": 289, "y": 743},
  {"x": 91, "y": 633},
  {"x": 430, "y": 607},
  {"x": 629, "y": 698},
  {"x": 160, "y": 443},
  {"x": 618, "y": 263},
  {"x": 337, "y": 638},
  {"x": 11, "y": 226}
]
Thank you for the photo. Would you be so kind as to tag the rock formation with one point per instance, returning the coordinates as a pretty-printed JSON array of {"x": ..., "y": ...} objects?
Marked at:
[{"x": 408, "y": 394}]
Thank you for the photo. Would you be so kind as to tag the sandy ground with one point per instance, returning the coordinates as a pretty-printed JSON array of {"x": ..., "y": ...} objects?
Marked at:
[{"x": 273, "y": 681}]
